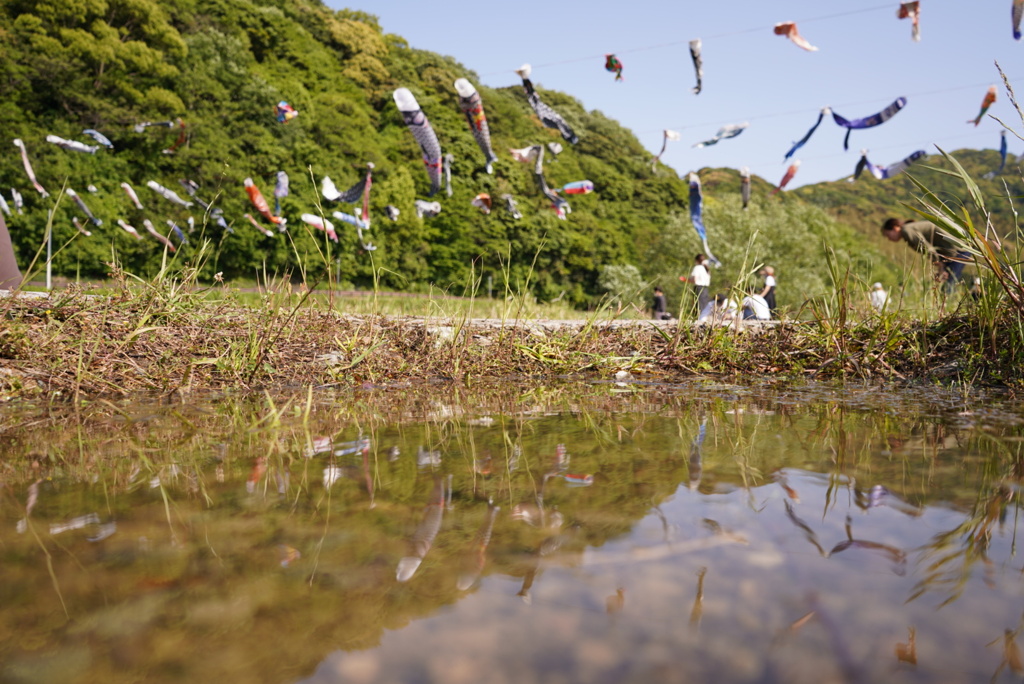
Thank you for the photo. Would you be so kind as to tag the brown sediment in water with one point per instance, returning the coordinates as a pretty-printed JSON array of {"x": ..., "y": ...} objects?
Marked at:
[{"x": 70, "y": 343}]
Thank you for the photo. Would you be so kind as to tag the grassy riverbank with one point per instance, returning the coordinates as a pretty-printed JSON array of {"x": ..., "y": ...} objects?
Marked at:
[{"x": 166, "y": 336}]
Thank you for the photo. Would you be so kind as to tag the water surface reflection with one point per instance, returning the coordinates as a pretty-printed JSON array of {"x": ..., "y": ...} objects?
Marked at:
[{"x": 572, "y": 533}]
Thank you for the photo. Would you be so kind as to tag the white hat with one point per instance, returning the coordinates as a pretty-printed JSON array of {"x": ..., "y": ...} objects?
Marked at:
[{"x": 876, "y": 286}]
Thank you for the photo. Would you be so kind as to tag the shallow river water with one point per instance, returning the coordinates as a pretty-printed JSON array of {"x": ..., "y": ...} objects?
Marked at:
[{"x": 572, "y": 533}]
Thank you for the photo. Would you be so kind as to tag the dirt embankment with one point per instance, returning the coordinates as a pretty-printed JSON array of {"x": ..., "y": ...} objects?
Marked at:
[{"x": 73, "y": 344}]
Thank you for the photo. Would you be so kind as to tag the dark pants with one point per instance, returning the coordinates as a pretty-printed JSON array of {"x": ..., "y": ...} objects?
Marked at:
[
  {"x": 702, "y": 297},
  {"x": 955, "y": 269},
  {"x": 770, "y": 299}
]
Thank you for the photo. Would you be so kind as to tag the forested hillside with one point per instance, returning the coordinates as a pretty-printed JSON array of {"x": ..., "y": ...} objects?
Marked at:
[{"x": 221, "y": 66}]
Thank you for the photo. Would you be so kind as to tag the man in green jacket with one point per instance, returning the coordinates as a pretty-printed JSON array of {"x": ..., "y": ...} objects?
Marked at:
[{"x": 946, "y": 252}]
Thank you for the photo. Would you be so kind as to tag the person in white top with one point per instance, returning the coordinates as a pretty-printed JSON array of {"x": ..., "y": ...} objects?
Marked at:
[
  {"x": 701, "y": 277},
  {"x": 878, "y": 296},
  {"x": 755, "y": 306},
  {"x": 769, "y": 288},
  {"x": 719, "y": 311}
]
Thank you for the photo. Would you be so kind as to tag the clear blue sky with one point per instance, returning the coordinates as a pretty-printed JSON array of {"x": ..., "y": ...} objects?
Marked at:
[{"x": 866, "y": 59}]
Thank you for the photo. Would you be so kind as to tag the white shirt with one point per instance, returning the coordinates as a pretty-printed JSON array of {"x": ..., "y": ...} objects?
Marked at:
[
  {"x": 718, "y": 313},
  {"x": 758, "y": 305},
  {"x": 700, "y": 276},
  {"x": 878, "y": 299},
  {"x": 769, "y": 281}
]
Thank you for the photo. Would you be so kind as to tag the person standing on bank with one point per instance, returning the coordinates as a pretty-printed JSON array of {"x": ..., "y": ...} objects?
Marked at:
[
  {"x": 769, "y": 288},
  {"x": 659, "y": 307},
  {"x": 946, "y": 252},
  {"x": 701, "y": 277}
]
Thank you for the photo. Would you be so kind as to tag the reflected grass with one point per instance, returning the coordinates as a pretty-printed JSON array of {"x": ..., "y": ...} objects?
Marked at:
[{"x": 217, "y": 485}]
